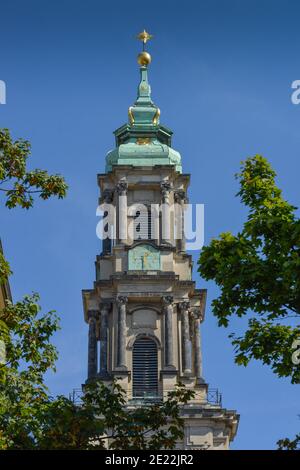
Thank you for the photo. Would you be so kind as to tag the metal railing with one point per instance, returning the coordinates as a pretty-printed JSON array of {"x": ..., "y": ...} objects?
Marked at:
[
  {"x": 147, "y": 397},
  {"x": 214, "y": 397},
  {"x": 76, "y": 396}
]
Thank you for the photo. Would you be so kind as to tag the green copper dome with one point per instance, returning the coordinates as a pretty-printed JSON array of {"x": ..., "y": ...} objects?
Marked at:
[
  {"x": 143, "y": 141},
  {"x": 150, "y": 154}
]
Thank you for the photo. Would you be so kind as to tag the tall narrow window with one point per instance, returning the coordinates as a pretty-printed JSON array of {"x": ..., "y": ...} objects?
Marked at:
[
  {"x": 142, "y": 224},
  {"x": 145, "y": 373},
  {"x": 106, "y": 242}
]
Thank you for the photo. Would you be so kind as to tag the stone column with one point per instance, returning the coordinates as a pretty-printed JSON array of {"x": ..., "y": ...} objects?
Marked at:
[
  {"x": 186, "y": 340},
  {"x": 92, "y": 345},
  {"x": 165, "y": 187},
  {"x": 104, "y": 311},
  {"x": 179, "y": 197},
  {"x": 198, "y": 349},
  {"x": 107, "y": 198},
  {"x": 155, "y": 222},
  {"x": 122, "y": 211},
  {"x": 168, "y": 310},
  {"x": 121, "y": 351}
]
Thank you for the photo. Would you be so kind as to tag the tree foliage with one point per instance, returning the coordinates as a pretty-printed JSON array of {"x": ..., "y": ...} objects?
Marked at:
[
  {"x": 289, "y": 444},
  {"x": 25, "y": 350},
  {"x": 17, "y": 183},
  {"x": 258, "y": 272},
  {"x": 4, "y": 268},
  {"x": 28, "y": 355},
  {"x": 103, "y": 420}
]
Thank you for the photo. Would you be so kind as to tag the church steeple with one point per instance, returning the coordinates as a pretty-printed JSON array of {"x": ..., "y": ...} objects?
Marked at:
[{"x": 144, "y": 310}]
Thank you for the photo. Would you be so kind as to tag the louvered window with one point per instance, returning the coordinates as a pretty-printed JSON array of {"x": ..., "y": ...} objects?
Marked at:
[
  {"x": 144, "y": 367},
  {"x": 142, "y": 224}
]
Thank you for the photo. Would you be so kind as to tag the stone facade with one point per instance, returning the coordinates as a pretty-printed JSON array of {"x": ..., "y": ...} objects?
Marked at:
[{"x": 144, "y": 289}]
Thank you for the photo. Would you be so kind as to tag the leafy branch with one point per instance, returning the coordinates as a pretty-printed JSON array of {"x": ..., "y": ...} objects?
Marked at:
[{"x": 23, "y": 183}]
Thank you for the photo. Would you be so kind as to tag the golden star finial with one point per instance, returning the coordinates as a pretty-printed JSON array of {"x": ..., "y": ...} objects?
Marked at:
[
  {"x": 144, "y": 36},
  {"x": 144, "y": 58}
]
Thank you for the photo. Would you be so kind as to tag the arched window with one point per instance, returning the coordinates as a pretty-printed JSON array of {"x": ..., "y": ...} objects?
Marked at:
[{"x": 144, "y": 368}]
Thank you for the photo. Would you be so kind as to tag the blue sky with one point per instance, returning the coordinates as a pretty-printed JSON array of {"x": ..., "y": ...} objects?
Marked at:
[{"x": 221, "y": 75}]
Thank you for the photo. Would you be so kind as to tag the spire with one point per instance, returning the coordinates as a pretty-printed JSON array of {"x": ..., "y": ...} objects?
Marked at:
[
  {"x": 143, "y": 141},
  {"x": 144, "y": 112}
]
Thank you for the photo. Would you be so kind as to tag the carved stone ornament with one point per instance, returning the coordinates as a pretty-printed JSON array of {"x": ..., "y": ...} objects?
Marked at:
[
  {"x": 107, "y": 196},
  {"x": 122, "y": 300},
  {"x": 122, "y": 186},
  {"x": 167, "y": 300},
  {"x": 105, "y": 307},
  {"x": 184, "y": 305},
  {"x": 93, "y": 314},
  {"x": 165, "y": 187},
  {"x": 179, "y": 195},
  {"x": 196, "y": 313}
]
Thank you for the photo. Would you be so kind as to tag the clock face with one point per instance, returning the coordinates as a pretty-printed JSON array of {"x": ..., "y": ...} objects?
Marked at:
[{"x": 144, "y": 258}]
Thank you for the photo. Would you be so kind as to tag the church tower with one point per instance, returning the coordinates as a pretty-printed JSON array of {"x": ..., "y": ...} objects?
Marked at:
[{"x": 144, "y": 312}]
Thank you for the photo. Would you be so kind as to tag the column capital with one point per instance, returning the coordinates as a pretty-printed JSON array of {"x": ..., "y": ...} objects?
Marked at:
[
  {"x": 184, "y": 305},
  {"x": 165, "y": 187},
  {"x": 179, "y": 195},
  {"x": 167, "y": 300},
  {"x": 107, "y": 196},
  {"x": 93, "y": 314},
  {"x": 197, "y": 314},
  {"x": 122, "y": 187},
  {"x": 105, "y": 307},
  {"x": 121, "y": 300}
]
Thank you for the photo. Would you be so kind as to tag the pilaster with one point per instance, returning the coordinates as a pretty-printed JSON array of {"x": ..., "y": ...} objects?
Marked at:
[
  {"x": 93, "y": 316},
  {"x": 184, "y": 308}
]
